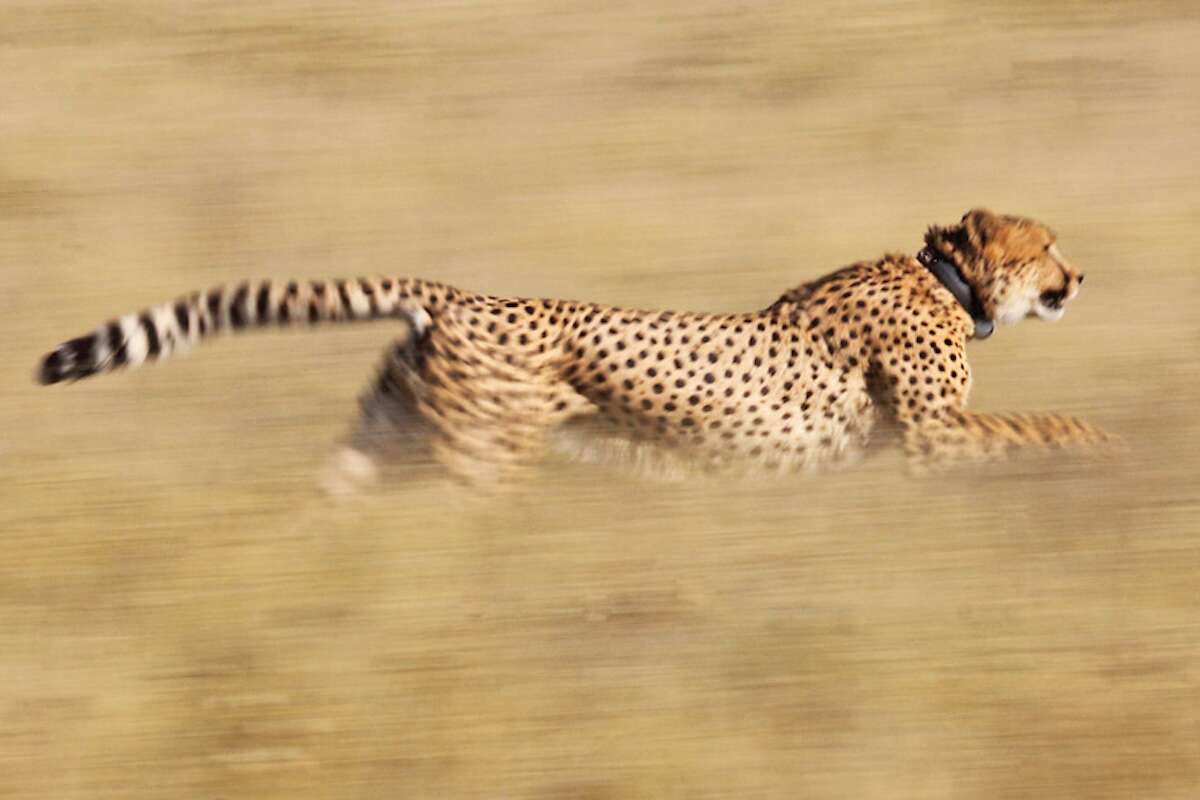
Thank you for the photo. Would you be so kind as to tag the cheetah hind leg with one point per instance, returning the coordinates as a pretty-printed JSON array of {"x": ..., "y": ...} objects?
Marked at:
[
  {"x": 389, "y": 428},
  {"x": 491, "y": 409}
]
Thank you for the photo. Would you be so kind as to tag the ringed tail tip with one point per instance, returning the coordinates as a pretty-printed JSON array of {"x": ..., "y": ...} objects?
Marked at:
[
  {"x": 69, "y": 361},
  {"x": 50, "y": 369}
]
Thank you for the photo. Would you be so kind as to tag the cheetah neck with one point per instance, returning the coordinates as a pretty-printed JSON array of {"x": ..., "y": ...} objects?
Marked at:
[{"x": 951, "y": 277}]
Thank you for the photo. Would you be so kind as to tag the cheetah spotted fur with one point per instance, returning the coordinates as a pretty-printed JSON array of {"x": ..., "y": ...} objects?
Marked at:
[{"x": 869, "y": 354}]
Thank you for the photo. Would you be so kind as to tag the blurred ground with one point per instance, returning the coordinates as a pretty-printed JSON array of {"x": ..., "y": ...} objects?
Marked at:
[{"x": 182, "y": 615}]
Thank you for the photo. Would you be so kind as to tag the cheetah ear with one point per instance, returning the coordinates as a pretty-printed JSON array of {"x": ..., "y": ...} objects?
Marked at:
[{"x": 981, "y": 227}]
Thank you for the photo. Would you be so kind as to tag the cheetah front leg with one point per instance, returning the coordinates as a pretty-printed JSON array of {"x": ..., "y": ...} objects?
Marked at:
[
  {"x": 952, "y": 436},
  {"x": 927, "y": 397}
]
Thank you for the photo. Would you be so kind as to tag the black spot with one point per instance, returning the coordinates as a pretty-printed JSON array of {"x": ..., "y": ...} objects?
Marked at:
[
  {"x": 237, "y": 313},
  {"x": 213, "y": 301},
  {"x": 183, "y": 317},
  {"x": 262, "y": 303},
  {"x": 153, "y": 346},
  {"x": 344, "y": 296},
  {"x": 116, "y": 345}
]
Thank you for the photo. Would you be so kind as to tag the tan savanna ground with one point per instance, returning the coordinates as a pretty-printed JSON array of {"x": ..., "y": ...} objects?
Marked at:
[{"x": 183, "y": 615}]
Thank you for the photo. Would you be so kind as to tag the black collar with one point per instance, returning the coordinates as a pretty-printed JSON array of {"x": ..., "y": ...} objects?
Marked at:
[{"x": 952, "y": 279}]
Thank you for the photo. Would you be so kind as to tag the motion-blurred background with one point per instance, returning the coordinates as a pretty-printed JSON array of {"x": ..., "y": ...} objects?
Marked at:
[{"x": 183, "y": 614}]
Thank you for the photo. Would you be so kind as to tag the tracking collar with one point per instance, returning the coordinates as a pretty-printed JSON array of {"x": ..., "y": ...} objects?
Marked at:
[{"x": 952, "y": 279}]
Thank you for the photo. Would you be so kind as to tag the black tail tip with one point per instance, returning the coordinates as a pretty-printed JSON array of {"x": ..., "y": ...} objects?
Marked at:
[
  {"x": 70, "y": 362},
  {"x": 52, "y": 369}
]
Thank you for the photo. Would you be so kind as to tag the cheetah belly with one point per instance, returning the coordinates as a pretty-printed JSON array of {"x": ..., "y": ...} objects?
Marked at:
[{"x": 726, "y": 391}]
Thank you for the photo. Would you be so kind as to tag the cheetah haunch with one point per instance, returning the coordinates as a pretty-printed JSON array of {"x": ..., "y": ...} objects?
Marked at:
[{"x": 813, "y": 379}]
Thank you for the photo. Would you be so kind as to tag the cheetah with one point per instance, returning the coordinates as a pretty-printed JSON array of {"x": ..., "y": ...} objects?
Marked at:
[{"x": 870, "y": 354}]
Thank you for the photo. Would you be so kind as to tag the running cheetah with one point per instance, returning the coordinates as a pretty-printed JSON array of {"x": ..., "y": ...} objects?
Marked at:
[{"x": 871, "y": 353}]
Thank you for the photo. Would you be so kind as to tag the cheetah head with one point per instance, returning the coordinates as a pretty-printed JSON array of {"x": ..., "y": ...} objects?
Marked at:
[{"x": 1012, "y": 264}]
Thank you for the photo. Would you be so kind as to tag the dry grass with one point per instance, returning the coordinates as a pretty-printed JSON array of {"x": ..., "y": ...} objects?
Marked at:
[{"x": 182, "y": 616}]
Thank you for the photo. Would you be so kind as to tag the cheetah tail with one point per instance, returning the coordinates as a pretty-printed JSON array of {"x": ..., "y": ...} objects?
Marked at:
[{"x": 174, "y": 327}]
